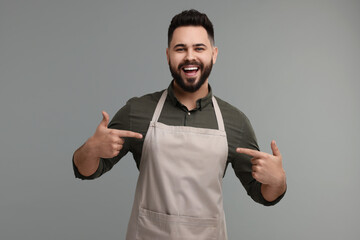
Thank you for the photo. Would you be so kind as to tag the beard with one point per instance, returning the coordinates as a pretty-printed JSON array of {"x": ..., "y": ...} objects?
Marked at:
[{"x": 193, "y": 86}]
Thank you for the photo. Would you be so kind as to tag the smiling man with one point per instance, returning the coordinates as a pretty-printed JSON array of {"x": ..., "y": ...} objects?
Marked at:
[
  {"x": 183, "y": 139},
  {"x": 191, "y": 56}
]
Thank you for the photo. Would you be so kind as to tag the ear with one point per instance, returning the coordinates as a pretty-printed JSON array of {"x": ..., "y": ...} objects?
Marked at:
[
  {"x": 215, "y": 53},
  {"x": 167, "y": 54}
]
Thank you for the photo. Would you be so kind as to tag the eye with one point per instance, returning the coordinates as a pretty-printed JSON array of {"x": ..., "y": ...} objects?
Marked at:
[
  {"x": 199, "y": 49},
  {"x": 180, "y": 49}
]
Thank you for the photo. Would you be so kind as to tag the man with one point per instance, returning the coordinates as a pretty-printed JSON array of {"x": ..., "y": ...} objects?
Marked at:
[{"x": 182, "y": 140}]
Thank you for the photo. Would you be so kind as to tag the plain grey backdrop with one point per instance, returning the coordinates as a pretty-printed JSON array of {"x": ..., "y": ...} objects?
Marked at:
[{"x": 291, "y": 66}]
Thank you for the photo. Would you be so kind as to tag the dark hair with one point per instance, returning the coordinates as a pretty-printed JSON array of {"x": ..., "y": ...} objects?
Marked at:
[{"x": 191, "y": 18}]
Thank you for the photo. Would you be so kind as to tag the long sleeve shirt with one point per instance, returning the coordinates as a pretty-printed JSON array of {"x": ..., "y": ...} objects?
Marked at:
[{"x": 137, "y": 114}]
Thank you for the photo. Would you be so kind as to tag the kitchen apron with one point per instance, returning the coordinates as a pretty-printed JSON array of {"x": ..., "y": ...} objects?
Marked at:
[{"x": 179, "y": 189}]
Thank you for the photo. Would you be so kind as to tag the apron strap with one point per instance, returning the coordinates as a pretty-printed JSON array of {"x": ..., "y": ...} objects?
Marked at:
[
  {"x": 159, "y": 106},
  {"x": 161, "y": 102},
  {"x": 218, "y": 114}
]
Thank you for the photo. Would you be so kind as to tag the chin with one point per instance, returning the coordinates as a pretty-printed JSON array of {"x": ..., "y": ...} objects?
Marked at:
[{"x": 191, "y": 81}]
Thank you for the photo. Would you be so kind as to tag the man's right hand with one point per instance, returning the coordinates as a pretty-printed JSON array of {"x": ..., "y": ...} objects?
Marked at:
[{"x": 106, "y": 142}]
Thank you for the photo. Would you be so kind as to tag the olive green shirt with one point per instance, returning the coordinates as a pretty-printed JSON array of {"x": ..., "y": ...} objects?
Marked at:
[{"x": 137, "y": 114}]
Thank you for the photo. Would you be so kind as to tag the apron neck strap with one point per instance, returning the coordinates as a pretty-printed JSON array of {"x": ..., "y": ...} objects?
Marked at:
[
  {"x": 159, "y": 106},
  {"x": 218, "y": 114},
  {"x": 161, "y": 102}
]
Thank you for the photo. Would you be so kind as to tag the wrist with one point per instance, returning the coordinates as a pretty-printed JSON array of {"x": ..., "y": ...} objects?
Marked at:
[
  {"x": 282, "y": 180},
  {"x": 91, "y": 147},
  {"x": 278, "y": 183}
]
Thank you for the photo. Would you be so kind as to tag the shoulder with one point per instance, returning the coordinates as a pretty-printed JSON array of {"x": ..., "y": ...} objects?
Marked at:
[
  {"x": 144, "y": 104},
  {"x": 238, "y": 128},
  {"x": 150, "y": 98},
  {"x": 136, "y": 112},
  {"x": 231, "y": 113}
]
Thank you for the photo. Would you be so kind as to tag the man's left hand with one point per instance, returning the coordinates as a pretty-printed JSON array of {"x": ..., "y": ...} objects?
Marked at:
[{"x": 267, "y": 168}]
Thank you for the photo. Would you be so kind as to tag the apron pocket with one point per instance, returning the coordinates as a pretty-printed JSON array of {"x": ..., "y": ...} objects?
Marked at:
[{"x": 153, "y": 225}]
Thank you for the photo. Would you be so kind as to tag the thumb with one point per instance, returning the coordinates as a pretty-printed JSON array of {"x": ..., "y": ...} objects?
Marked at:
[
  {"x": 105, "y": 121},
  {"x": 275, "y": 149}
]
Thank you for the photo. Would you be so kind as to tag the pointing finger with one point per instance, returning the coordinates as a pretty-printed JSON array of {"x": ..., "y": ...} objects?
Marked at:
[
  {"x": 250, "y": 152},
  {"x": 129, "y": 134}
]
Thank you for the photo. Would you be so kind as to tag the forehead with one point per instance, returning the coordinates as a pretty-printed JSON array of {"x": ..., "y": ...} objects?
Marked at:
[{"x": 190, "y": 35}]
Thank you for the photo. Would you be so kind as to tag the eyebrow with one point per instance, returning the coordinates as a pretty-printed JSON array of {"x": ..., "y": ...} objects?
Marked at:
[{"x": 194, "y": 45}]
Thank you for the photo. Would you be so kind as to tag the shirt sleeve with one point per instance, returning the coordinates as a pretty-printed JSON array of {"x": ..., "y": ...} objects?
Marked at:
[
  {"x": 241, "y": 134},
  {"x": 120, "y": 121}
]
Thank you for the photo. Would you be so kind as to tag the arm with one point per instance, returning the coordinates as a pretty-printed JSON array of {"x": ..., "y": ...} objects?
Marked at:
[
  {"x": 85, "y": 159},
  {"x": 105, "y": 143}
]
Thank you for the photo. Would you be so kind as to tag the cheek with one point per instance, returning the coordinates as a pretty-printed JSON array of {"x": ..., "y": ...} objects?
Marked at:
[
  {"x": 174, "y": 61},
  {"x": 207, "y": 58},
  {"x": 207, "y": 61}
]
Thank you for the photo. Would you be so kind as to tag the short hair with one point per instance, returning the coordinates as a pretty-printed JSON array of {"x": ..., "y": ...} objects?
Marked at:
[{"x": 191, "y": 17}]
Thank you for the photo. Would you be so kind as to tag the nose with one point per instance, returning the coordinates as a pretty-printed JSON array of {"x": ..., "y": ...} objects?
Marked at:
[{"x": 190, "y": 55}]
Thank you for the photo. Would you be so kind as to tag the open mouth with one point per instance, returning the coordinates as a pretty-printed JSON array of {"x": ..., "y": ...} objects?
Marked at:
[{"x": 190, "y": 70}]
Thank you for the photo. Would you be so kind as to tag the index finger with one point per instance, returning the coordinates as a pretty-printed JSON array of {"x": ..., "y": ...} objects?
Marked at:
[
  {"x": 250, "y": 152},
  {"x": 129, "y": 134}
]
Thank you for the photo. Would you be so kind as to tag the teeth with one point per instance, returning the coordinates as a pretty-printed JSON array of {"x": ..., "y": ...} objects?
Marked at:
[{"x": 190, "y": 68}]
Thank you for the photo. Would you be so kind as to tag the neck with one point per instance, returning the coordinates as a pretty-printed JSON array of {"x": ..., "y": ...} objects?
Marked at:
[{"x": 189, "y": 98}]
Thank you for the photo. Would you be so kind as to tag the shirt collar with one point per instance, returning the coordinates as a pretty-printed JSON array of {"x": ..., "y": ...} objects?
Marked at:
[{"x": 200, "y": 103}]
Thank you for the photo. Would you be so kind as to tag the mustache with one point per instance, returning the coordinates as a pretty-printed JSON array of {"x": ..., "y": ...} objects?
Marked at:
[{"x": 187, "y": 62}]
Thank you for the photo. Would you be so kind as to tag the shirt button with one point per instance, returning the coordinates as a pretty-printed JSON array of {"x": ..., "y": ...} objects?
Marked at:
[{"x": 189, "y": 113}]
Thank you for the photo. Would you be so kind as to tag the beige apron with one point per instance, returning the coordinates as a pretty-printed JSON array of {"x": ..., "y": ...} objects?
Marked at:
[{"x": 179, "y": 189}]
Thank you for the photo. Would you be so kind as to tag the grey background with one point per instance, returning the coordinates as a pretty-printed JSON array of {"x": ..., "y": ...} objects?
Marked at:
[{"x": 291, "y": 66}]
